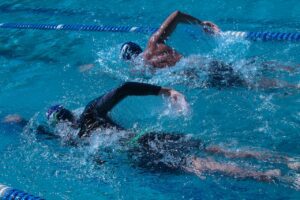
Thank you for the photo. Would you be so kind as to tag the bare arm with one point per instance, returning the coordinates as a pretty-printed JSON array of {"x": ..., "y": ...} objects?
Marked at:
[
  {"x": 170, "y": 24},
  {"x": 15, "y": 119}
]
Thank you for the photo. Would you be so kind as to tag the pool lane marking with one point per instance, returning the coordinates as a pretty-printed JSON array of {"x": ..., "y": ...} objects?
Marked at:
[{"x": 260, "y": 35}]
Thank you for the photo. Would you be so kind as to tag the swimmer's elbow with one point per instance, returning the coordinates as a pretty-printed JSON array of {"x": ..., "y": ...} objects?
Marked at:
[
  {"x": 123, "y": 86},
  {"x": 126, "y": 83},
  {"x": 176, "y": 13}
]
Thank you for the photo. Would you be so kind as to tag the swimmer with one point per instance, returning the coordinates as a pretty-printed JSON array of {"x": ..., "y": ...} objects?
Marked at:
[
  {"x": 95, "y": 114},
  {"x": 155, "y": 150},
  {"x": 178, "y": 152},
  {"x": 220, "y": 75},
  {"x": 157, "y": 53}
]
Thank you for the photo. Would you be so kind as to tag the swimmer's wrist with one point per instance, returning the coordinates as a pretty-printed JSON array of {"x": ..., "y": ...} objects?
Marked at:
[
  {"x": 165, "y": 91},
  {"x": 200, "y": 22}
]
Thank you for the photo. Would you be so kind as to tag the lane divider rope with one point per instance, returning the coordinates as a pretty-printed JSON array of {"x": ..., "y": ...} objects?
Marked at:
[
  {"x": 253, "y": 35},
  {"x": 8, "y": 193}
]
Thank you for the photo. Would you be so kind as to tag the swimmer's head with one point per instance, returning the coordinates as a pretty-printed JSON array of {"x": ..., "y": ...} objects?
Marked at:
[
  {"x": 58, "y": 113},
  {"x": 130, "y": 50}
]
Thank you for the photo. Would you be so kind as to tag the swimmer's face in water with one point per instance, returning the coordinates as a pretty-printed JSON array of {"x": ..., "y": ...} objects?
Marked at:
[
  {"x": 130, "y": 50},
  {"x": 58, "y": 113}
]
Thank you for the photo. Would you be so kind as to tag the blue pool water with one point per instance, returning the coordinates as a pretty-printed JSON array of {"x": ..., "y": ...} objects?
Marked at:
[{"x": 41, "y": 68}]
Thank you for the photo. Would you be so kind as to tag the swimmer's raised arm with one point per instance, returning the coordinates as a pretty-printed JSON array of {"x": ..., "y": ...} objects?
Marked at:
[
  {"x": 170, "y": 24},
  {"x": 102, "y": 105},
  {"x": 111, "y": 99}
]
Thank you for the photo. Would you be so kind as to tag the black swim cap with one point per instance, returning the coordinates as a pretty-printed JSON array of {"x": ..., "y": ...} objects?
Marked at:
[
  {"x": 130, "y": 50},
  {"x": 53, "y": 110},
  {"x": 59, "y": 113}
]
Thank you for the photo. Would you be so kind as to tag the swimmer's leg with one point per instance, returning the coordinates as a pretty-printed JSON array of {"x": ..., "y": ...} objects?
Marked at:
[
  {"x": 263, "y": 156},
  {"x": 266, "y": 83},
  {"x": 275, "y": 66},
  {"x": 199, "y": 166}
]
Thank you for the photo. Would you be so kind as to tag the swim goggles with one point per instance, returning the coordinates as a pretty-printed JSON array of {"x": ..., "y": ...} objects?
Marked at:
[{"x": 52, "y": 113}]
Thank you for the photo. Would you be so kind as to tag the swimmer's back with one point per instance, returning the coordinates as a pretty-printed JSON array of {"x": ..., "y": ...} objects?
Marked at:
[
  {"x": 163, "y": 151},
  {"x": 222, "y": 75}
]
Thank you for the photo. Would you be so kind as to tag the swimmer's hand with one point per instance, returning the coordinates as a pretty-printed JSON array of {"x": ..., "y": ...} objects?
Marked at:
[
  {"x": 210, "y": 28},
  {"x": 13, "y": 118},
  {"x": 172, "y": 94},
  {"x": 177, "y": 100},
  {"x": 176, "y": 96}
]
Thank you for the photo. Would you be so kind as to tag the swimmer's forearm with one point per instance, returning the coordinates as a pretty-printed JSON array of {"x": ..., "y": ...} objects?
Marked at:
[
  {"x": 180, "y": 17},
  {"x": 137, "y": 89},
  {"x": 142, "y": 89},
  {"x": 170, "y": 24},
  {"x": 208, "y": 26},
  {"x": 188, "y": 19}
]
